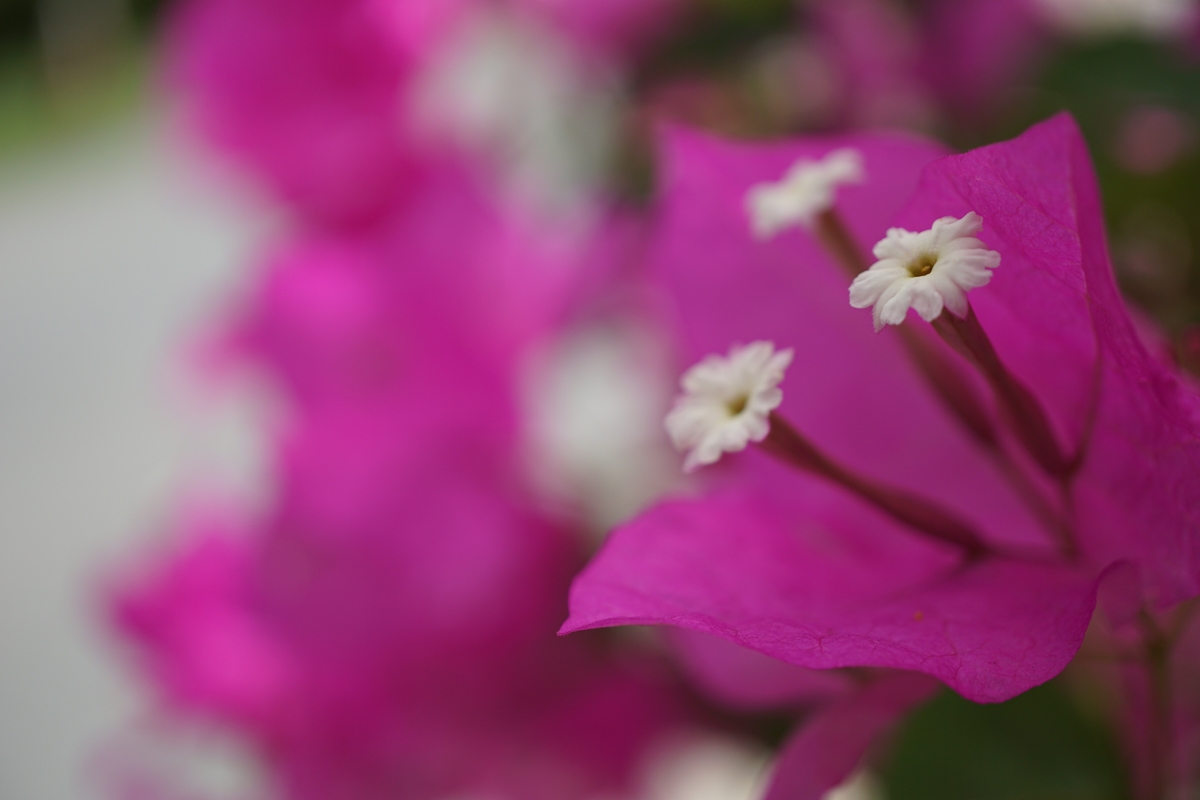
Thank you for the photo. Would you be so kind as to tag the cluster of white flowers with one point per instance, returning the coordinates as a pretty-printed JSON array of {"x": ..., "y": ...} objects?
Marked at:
[{"x": 727, "y": 400}]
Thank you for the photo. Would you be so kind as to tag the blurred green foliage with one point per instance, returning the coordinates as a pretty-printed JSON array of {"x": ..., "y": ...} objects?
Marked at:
[
  {"x": 1035, "y": 747},
  {"x": 1153, "y": 214},
  {"x": 18, "y": 24},
  {"x": 19, "y": 19},
  {"x": 715, "y": 33},
  {"x": 41, "y": 101}
]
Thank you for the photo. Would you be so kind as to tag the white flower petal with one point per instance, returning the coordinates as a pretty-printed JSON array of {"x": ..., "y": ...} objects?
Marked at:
[
  {"x": 869, "y": 286},
  {"x": 895, "y": 308},
  {"x": 898, "y": 244},
  {"x": 953, "y": 296},
  {"x": 881, "y": 314},
  {"x": 926, "y": 300}
]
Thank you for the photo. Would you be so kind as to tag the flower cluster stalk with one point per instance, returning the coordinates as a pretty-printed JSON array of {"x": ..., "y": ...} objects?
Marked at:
[
  {"x": 1029, "y": 420},
  {"x": 831, "y": 231},
  {"x": 1156, "y": 658},
  {"x": 787, "y": 444}
]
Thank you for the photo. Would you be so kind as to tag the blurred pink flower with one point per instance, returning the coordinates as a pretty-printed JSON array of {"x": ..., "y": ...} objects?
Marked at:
[
  {"x": 387, "y": 626},
  {"x": 978, "y": 51},
  {"x": 414, "y": 658},
  {"x": 312, "y": 97},
  {"x": 875, "y": 49},
  {"x": 209, "y": 651},
  {"x": 799, "y": 569},
  {"x": 451, "y": 288},
  {"x": 305, "y": 95}
]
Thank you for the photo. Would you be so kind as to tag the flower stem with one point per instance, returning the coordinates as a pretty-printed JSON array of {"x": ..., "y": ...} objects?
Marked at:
[
  {"x": 1030, "y": 422},
  {"x": 833, "y": 235},
  {"x": 787, "y": 444},
  {"x": 1162, "y": 740}
]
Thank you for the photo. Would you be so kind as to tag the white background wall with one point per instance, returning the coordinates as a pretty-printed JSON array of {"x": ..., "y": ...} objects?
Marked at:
[{"x": 110, "y": 257}]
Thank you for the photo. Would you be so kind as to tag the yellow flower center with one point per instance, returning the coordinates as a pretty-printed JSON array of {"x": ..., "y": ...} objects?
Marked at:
[{"x": 922, "y": 266}]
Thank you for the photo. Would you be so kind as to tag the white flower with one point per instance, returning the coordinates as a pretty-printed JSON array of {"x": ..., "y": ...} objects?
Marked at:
[
  {"x": 506, "y": 88},
  {"x": 926, "y": 271},
  {"x": 1160, "y": 18},
  {"x": 804, "y": 192},
  {"x": 595, "y": 403},
  {"x": 726, "y": 401}
]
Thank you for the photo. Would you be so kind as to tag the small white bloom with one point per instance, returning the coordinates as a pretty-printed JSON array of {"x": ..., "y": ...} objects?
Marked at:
[
  {"x": 706, "y": 767},
  {"x": 726, "y": 401},
  {"x": 805, "y": 191},
  {"x": 926, "y": 271},
  {"x": 1156, "y": 18},
  {"x": 517, "y": 93},
  {"x": 595, "y": 403}
]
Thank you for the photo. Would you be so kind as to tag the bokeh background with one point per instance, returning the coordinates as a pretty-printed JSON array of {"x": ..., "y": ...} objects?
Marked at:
[
  {"x": 114, "y": 250},
  {"x": 122, "y": 238}
]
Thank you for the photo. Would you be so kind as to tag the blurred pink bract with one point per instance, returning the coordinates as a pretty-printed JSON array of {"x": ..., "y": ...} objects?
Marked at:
[
  {"x": 387, "y": 628},
  {"x": 310, "y": 96}
]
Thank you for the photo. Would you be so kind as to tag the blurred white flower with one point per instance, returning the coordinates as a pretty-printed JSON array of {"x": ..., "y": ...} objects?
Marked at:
[
  {"x": 1163, "y": 18},
  {"x": 861, "y": 786},
  {"x": 512, "y": 91},
  {"x": 807, "y": 190},
  {"x": 708, "y": 768},
  {"x": 595, "y": 403},
  {"x": 715, "y": 768}
]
